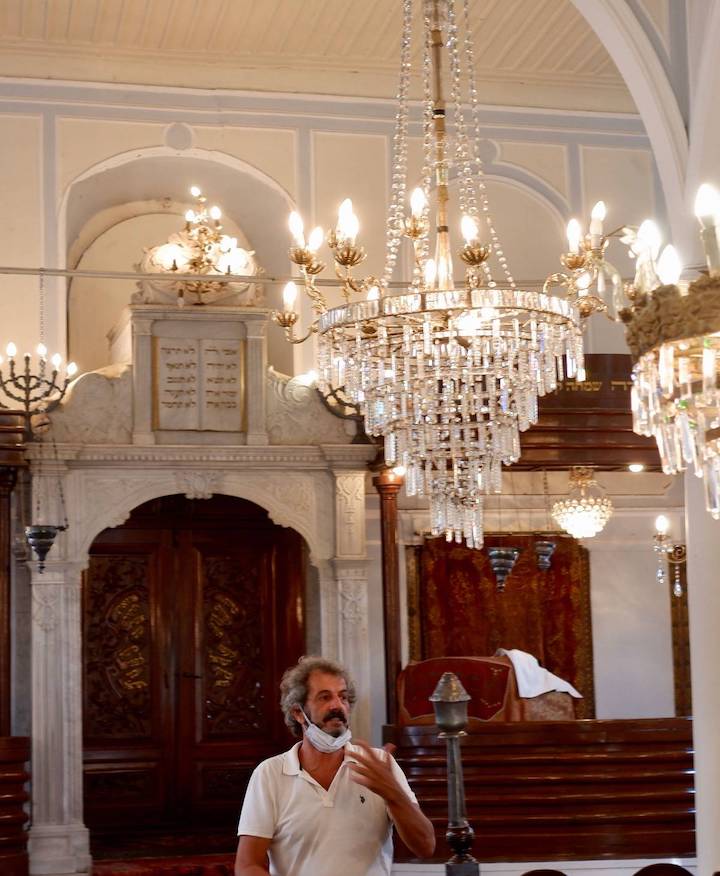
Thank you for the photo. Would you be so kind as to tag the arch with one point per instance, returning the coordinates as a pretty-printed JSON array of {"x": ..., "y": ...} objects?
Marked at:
[
  {"x": 527, "y": 182},
  {"x": 290, "y": 498},
  {"x": 162, "y": 152},
  {"x": 628, "y": 45},
  {"x": 256, "y": 202}
]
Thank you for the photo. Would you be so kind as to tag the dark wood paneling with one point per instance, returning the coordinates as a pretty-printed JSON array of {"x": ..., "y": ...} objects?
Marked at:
[
  {"x": 192, "y": 611},
  {"x": 14, "y": 754},
  {"x": 588, "y": 423},
  {"x": 562, "y": 790}
]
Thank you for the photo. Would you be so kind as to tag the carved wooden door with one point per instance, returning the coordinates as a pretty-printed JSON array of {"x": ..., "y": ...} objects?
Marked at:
[{"x": 192, "y": 610}]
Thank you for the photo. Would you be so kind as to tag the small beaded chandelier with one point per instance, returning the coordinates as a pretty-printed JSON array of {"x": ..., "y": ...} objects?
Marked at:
[
  {"x": 585, "y": 511},
  {"x": 448, "y": 373}
]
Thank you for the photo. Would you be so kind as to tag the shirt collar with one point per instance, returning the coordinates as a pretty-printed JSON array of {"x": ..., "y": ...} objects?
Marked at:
[{"x": 291, "y": 761}]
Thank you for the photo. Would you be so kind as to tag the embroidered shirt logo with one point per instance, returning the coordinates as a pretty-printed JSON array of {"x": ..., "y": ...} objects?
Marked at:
[{"x": 362, "y": 799}]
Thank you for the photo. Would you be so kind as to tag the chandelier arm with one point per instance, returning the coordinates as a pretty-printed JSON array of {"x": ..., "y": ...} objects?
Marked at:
[
  {"x": 290, "y": 334},
  {"x": 317, "y": 299}
]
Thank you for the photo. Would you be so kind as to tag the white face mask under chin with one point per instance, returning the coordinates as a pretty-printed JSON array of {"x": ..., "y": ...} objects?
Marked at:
[{"x": 323, "y": 741}]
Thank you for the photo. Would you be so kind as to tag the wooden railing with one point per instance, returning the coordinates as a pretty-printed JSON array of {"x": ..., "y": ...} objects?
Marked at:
[
  {"x": 562, "y": 790},
  {"x": 14, "y": 754}
]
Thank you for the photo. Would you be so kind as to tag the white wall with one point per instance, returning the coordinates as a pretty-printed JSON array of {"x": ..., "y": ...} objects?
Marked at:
[{"x": 62, "y": 143}]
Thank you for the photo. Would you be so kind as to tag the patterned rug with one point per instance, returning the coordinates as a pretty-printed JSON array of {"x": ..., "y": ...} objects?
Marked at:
[{"x": 199, "y": 865}]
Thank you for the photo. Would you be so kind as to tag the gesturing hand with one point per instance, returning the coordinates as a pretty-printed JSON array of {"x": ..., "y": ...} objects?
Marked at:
[{"x": 374, "y": 771}]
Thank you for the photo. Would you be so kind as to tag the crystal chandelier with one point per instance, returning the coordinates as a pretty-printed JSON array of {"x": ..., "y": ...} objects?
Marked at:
[
  {"x": 199, "y": 248},
  {"x": 447, "y": 372},
  {"x": 673, "y": 331},
  {"x": 584, "y": 513}
]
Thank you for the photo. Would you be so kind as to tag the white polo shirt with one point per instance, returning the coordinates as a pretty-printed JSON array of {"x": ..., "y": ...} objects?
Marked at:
[{"x": 315, "y": 832}]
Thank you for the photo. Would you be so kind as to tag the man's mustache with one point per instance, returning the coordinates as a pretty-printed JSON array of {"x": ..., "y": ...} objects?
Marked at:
[{"x": 335, "y": 713}]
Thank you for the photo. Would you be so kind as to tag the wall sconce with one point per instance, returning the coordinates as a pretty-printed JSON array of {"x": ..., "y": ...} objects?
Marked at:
[{"x": 668, "y": 553}]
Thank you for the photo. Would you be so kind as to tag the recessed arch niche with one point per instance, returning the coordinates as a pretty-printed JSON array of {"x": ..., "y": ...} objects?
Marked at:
[{"x": 114, "y": 209}]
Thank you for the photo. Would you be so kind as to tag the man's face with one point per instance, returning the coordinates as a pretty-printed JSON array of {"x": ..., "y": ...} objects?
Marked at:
[{"x": 327, "y": 703}]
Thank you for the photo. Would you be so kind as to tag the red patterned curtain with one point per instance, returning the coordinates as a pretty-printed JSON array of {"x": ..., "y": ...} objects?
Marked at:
[{"x": 461, "y": 612}]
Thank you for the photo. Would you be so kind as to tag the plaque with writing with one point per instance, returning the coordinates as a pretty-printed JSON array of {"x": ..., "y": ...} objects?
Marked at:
[
  {"x": 176, "y": 367},
  {"x": 222, "y": 379},
  {"x": 199, "y": 384}
]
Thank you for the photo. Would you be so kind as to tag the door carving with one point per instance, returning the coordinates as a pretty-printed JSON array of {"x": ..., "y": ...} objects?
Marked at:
[{"x": 192, "y": 610}]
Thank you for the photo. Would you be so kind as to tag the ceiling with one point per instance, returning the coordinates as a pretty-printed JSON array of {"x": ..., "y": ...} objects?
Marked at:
[{"x": 538, "y": 53}]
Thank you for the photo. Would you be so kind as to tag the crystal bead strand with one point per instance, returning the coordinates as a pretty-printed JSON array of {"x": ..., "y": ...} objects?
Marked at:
[
  {"x": 427, "y": 169},
  {"x": 396, "y": 210},
  {"x": 475, "y": 111}
]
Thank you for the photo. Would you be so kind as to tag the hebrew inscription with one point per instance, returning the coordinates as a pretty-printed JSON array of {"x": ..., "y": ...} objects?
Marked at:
[{"x": 199, "y": 384}]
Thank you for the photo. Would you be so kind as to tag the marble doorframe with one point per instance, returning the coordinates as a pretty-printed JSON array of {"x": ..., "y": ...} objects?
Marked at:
[{"x": 317, "y": 490}]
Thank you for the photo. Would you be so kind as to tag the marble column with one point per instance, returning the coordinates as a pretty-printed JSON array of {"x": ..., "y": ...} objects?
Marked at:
[
  {"x": 350, "y": 569},
  {"x": 256, "y": 361},
  {"x": 59, "y": 842},
  {"x": 142, "y": 392},
  {"x": 703, "y": 560}
]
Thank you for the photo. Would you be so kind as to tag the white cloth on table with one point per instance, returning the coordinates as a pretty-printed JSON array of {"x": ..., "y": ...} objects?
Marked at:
[{"x": 532, "y": 679}]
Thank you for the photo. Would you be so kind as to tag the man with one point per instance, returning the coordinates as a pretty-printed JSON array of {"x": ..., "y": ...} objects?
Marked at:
[{"x": 325, "y": 806}]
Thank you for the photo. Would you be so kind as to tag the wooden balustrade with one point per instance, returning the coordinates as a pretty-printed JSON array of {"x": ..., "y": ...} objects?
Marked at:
[
  {"x": 14, "y": 755},
  {"x": 562, "y": 790}
]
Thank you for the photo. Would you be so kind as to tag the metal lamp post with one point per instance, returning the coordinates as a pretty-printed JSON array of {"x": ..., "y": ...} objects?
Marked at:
[{"x": 450, "y": 701}]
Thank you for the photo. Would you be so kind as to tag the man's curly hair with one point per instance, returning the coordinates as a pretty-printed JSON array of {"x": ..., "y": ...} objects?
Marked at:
[{"x": 294, "y": 686}]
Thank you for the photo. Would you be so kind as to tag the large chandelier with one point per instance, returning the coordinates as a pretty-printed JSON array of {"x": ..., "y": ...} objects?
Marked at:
[
  {"x": 673, "y": 331},
  {"x": 584, "y": 513},
  {"x": 447, "y": 372},
  {"x": 199, "y": 248}
]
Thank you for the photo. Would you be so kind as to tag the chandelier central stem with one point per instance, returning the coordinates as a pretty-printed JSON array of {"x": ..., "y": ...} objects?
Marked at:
[{"x": 443, "y": 257}]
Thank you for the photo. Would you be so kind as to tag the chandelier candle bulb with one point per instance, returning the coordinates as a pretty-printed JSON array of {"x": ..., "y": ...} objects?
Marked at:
[
  {"x": 71, "y": 369},
  {"x": 418, "y": 203},
  {"x": 289, "y": 297},
  {"x": 469, "y": 229},
  {"x": 316, "y": 238},
  {"x": 296, "y": 229},
  {"x": 669, "y": 266},
  {"x": 707, "y": 210},
  {"x": 56, "y": 361},
  {"x": 662, "y": 524},
  {"x": 11, "y": 350},
  {"x": 195, "y": 191},
  {"x": 189, "y": 216},
  {"x": 42, "y": 351},
  {"x": 574, "y": 234},
  {"x": 597, "y": 217},
  {"x": 215, "y": 213}
]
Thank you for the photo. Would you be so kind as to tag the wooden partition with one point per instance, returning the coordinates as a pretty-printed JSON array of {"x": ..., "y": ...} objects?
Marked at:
[
  {"x": 14, "y": 755},
  {"x": 562, "y": 790}
]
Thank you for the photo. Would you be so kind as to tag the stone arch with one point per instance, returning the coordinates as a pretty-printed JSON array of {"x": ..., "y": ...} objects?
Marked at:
[
  {"x": 290, "y": 498},
  {"x": 632, "y": 52},
  {"x": 133, "y": 156}
]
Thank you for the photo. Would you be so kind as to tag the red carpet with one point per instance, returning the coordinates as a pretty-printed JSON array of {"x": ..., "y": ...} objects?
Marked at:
[{"x": 196, "y": 865}]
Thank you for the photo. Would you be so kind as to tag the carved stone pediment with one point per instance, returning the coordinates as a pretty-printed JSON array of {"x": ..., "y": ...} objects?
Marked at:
[
  {"x": 97, "y": 408},
  {"x": 296, "y": 414}
]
